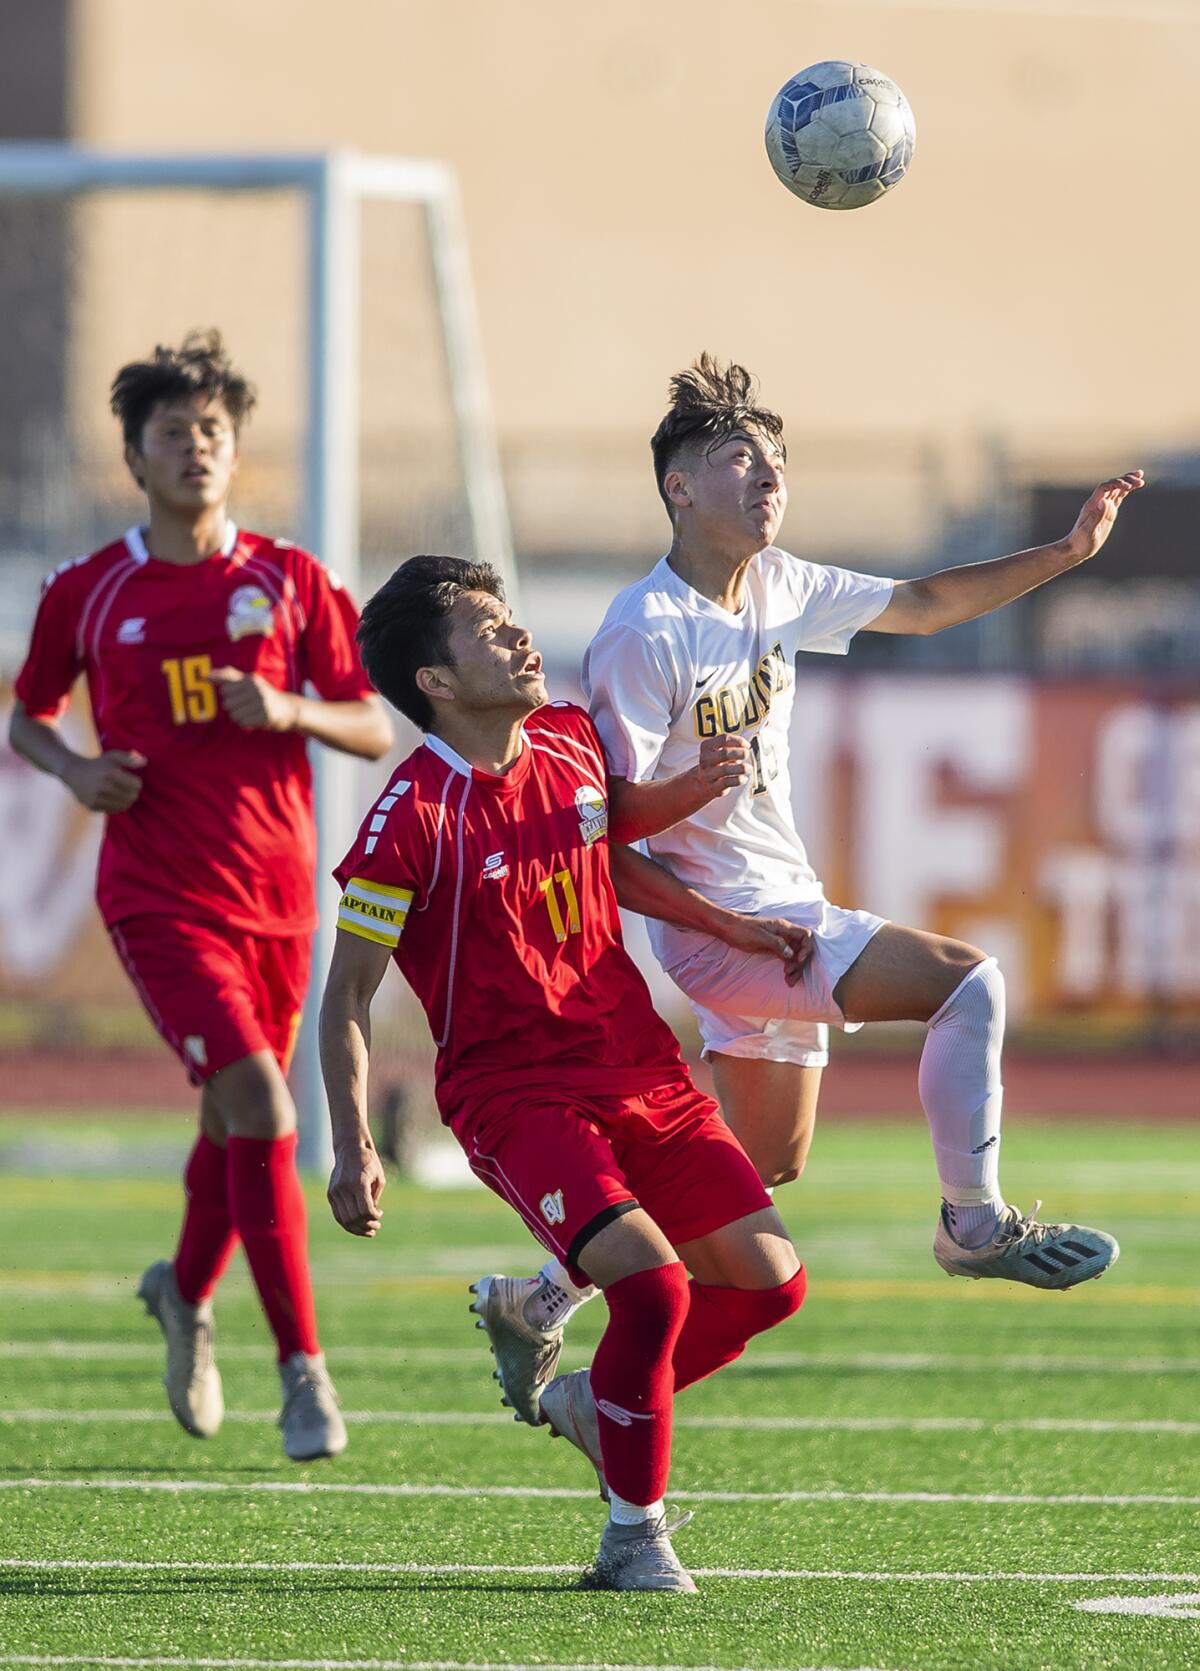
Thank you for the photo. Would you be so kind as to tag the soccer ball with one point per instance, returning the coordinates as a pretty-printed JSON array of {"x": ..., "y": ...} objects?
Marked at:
[{"x": 840, "y": 134}]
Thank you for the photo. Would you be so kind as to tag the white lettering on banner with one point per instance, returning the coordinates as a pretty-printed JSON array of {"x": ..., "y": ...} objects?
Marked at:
[
  {"x": 913, "y": 852},
  {"x": 46, "y": 879},
  {"x": 1124, "y": 926},
  {"x": 1129, "y": 911}
]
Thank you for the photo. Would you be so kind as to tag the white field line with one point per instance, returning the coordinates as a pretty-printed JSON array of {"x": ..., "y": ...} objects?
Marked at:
[
  {"x": 764, "y": 1424},
  {"x": 1158, "y": 1499},
  {"x": 346, "y": 1664},
  {"x": 937, "y": 1363},
  {"x": 352, "y": 1664},
  {"x": 449, "y": 1568}
]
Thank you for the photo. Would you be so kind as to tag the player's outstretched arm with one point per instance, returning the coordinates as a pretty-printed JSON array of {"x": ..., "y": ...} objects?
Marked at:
[
  {"x": 638, "y": 810},
  {"x": 357, "y": 1180},
  {"x": 107, "y": 782},
  {"x": 358, "y": 727},
  {"x": 651, "y": 891},
  {"x": 952, "y": 596}
]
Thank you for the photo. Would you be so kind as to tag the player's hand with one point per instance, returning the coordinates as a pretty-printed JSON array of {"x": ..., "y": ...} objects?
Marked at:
[
  {"x": 253, "y": 702},
  {"x": 355, "y": 1185},
  {"x": 724, "y": 764},
  {"x": 1095, "y": 521},
  {"x": 109, "y": 782},
  {"x": 774, "y": 936}
]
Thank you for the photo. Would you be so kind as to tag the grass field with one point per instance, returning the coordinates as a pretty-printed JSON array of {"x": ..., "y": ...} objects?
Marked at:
[{"x": 914, "y": 1472}]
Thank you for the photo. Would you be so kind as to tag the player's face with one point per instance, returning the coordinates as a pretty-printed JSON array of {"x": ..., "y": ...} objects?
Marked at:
[
  {"x": 495, "y": 663},
  {"x": 737, "y": 492},
  {"x": 188, "y": 455}
]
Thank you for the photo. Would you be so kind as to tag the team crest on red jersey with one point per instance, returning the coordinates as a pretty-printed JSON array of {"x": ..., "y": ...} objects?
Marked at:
[
  {"x": 593, "y": 813},
  {"x": 250, "y": 611}
]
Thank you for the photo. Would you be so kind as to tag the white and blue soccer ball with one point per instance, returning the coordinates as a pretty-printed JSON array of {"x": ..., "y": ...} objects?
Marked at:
[{"x": 840, "y": 134}]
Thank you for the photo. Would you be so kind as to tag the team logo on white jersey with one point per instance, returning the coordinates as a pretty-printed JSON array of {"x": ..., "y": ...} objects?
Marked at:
[
  {"x": 250, "y": 610},
  {"x": 593, "y": 813},
  {"x": 494, "y": 868},
  {"x": 552, "y": 1207},
  {"x": 132, "y": 630}
]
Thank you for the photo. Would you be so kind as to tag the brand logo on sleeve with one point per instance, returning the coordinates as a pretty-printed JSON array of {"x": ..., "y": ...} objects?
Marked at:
[
  {"x": 250, "y": 611},
  {"x": 494, "y": 868},
  {"x": 593, "y": 813},
  {"x": 132, "y": 630},
  {"x": 552, "y": 1208},
  {"x": 196, "y": 1050}
]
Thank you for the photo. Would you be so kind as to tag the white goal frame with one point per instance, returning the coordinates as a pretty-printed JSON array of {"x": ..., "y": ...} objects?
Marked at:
[{"x": 333, "y": 185}]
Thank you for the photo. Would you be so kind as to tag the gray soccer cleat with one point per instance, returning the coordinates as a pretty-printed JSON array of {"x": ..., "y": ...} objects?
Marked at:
[
  {"x": 192, "y": 1379},
  {"x": 641, "y": 1557},
  {"x": 311, "y": 1421},
  {"x": 569, "y": 1410},
  {"x": 526, "y": 1355},
  {"x": 1021, "y": 1249}
]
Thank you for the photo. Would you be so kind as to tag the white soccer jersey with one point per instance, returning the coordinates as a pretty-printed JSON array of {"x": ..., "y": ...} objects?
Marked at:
[{"x": 670, "y": 667}]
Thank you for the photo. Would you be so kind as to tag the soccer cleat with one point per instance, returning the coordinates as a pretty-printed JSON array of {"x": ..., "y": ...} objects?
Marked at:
[
  {"x": 526, "y": 1355},
  {"x": 569, "y": 1410},
  {"x": 311, "y": 1421},
  {"x": 641, "y": 1557},
  {"x": 192, "y": 1379},
  {"x": 1021, "y": 1249}
]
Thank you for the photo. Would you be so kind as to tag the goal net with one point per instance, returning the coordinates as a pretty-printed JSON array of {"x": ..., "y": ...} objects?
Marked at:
[{"x": 342, "y": 287}]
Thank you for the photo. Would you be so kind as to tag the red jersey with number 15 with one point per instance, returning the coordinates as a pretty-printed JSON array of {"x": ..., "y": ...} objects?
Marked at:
[
  {"x": 223, "y": 826},
  {"x": 495, "y": 895}
]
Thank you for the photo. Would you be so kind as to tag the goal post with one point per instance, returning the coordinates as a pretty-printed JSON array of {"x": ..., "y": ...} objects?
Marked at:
[{"x": 335, "y": 189}]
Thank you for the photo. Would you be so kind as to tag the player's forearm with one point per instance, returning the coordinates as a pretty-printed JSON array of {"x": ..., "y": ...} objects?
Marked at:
[
  {"x": 361, "y": 728},
  {"x": 946, "y": 599},
  {"x": 638, "y": 810},
  {"x": 651, "y": 891},
  {"x": 40, "y": 742},
  {"x": 345, "y": 1040}
]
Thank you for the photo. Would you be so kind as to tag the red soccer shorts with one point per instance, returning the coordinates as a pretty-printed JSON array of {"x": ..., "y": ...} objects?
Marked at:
[
  {"x": 216, "y": 995},
  {"x": 571, "y": 1165}
]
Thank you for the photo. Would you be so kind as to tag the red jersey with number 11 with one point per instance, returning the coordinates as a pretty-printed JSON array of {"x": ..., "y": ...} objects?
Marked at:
[
  {"x": 223, "y": 828},
  {"x": 495, "y": 895}
]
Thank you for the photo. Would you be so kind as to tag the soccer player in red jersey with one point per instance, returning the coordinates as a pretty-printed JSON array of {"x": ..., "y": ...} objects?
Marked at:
[
  {"x": 196, "y": 640},
  {"x": 483, "y": 871}
]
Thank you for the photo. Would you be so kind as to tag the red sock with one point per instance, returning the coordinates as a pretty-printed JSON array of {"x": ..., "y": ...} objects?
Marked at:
[
  {"x": 721, "y": 1320},
  {"x": 207, "y": 1237},
  {"x": 267, "y": 1206},
  {"x": 632, "y": 1380}
]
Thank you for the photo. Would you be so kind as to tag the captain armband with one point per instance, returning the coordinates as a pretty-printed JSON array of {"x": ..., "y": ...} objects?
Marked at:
[{"x": 373, "y": 911}]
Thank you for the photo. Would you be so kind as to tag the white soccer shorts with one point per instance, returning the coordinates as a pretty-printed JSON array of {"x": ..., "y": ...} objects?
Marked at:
[{"x": 743, "y": 1003}]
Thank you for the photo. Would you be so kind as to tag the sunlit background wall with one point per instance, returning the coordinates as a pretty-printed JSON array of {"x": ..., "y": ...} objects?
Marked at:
[{"x": 956, "y": 367}]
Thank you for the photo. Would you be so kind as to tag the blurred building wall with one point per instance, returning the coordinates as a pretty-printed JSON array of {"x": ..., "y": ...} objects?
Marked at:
[{"x": 1032, "y": 279}]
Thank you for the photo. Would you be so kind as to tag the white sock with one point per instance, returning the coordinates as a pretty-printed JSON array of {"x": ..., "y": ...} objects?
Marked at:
[
  {"x": 622, "y": 1513},
  {"x": 972, "y": 1226},
  {"x": 962, "y": 1094},
  {"x": 558, "y": 1299}
]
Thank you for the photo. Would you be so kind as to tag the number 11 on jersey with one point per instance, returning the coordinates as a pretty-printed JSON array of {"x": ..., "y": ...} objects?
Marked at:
[{"x": 549, "y": 889}]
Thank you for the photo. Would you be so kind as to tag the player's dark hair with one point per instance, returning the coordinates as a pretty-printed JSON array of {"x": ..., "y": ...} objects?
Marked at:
[
  {"x": 406, "y": 626},
  {"x": 199, "y": 366},
  {"x": 708, "y": 402}
]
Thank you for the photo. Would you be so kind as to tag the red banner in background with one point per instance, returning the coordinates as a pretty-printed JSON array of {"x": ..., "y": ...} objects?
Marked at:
[{"x": 1055, "y": 824}]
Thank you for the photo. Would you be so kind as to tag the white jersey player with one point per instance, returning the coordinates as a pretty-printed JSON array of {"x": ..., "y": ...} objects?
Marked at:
[{"x": 691, "y": 683}]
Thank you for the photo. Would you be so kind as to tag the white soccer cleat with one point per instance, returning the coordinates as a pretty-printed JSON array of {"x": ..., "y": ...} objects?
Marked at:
[
  {"x": 526, "y": 1355},
  {"x": 311, "y": 1421},
  {"x": 192, "y": 1379},
  {"x": 1022, "y": 1250},
  {"x": 569, "y": 1410},
  {"x": 641, "y": 1558}
]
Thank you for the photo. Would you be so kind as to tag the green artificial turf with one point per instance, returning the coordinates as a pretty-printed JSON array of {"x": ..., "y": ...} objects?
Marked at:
[{"x": 896, "y": 1379}]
